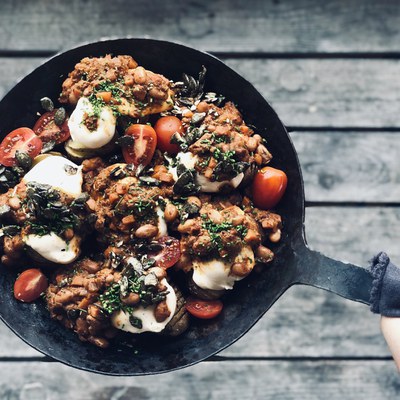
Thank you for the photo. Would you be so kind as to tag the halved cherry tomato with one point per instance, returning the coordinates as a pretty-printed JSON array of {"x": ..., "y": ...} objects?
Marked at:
[
  {"x": 269, "y": 185},
  {"x": 169, "y": 254},
  {"x": 30, "y": 285},
  {"x": 47, "y": 129},
  {"x": 142, "y": 150},
  {"x": 203, "y": 309},
  {"x": 165, "y": 127},
  {"x": 22, "y": 139}
]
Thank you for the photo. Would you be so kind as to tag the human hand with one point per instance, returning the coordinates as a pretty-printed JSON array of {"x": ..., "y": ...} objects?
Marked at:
[
  {"x": 385, "y": 300},
  {"x": 391, "y": 331}
]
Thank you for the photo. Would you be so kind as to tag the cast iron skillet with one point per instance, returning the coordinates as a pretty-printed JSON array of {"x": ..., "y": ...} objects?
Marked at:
[{"x": 295, "y": 263}]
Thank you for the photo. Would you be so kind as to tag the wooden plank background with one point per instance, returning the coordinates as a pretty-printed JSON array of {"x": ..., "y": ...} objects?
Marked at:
[{"x": 331, "y": 71}]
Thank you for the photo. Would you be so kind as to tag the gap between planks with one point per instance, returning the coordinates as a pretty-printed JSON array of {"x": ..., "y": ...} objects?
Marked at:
[
  {"x": 350, "y": 204},
  {"x": 218, "y": 358},
  {"x": 7, "y": 53}
]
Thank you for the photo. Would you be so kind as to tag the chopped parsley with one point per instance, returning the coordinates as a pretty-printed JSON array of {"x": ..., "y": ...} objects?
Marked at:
[
  {"x": 227, "y": 167},
  {"x": 214, "y": 230},
  {"x": 144, "y": 210},
  {"x": 98, "y": 103}
]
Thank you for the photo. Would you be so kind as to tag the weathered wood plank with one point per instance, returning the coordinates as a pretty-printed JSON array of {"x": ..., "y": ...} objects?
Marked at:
[
  {"x": 337, "y": 166},
  {"x": 329, "y": 93},
  {"x": 269, "y": 26},
  {"x": 307, "y": 321},
  {"x": 335, "y": 380},
  {"x": 354, "y": 234},
  {"x": 349, "y": 166}
]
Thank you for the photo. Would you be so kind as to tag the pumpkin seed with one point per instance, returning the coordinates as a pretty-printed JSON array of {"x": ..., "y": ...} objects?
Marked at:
[
  {"x": 48, "y": 146},
  {"x": 154, "y": 247},
  {"x": 190, "y": 89},
  {"x": 11, "y": 230},
  {"x": 135, "y": 322},
  {"x": 125, "y": 141},
  {"x": 4, "y": 210},
  {"x": 59, "y": 116},
  {"x": 117, "y": 173},
  {"x": 70, "y": 170},
  {"x": 47, "y": 104},
  {"x": 177, "y": 139},
  {"x": 23, "y": 159},
  {"x": 198, "y": 118},
  {"x": 149, "y": 181},
  {"x": 185, "y": 185},
  {"x": 147, "y": 262}
]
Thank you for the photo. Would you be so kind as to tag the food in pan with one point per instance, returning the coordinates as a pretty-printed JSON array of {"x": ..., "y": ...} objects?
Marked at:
[{"x": 135, "y": 202}]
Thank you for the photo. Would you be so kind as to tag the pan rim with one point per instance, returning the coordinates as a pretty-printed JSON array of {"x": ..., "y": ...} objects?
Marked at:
[{"x": 109, "y": 41}]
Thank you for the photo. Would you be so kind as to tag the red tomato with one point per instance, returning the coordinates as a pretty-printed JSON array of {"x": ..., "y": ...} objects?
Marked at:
[
  {"x": 142, "y": 150},
  {"x": 22, "y": 139},
  {"x": 47, "y": 129},
  {"x": 269, "y": 185},
  {"x": 203, "y": 309},
  {"x": 30, "y": 285},
  {"x": 170, "y": 253},
  {"x": 165, "y": 127}
]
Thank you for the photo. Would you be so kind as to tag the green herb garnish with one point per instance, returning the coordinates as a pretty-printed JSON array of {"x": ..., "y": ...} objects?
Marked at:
[
  {"x": 214, "y": 230},
  {"x": 227, "y": 167},
  {"x": 48, "y": 213},
  {"x": 132, "y": 281}
]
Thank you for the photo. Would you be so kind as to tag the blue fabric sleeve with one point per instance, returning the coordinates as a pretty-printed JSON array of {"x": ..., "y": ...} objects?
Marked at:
[{"x": 385, "y": 292}]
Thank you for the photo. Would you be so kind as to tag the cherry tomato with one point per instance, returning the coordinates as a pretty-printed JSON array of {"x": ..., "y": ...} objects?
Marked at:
[
  {"x": 142, "y": 150},
  {"x": 170, "y": 253},
  {"x": 47, "y": 129},
  {"x": 30, "y": 285},
  {"x": 165, "y": 127},
  {"x": 203, "y": 309},
  {"x": 22, "y": 139},
  {"x": 269, "y": 185}
]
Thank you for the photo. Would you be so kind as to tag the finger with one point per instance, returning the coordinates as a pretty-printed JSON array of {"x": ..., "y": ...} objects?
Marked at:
[{"x": 391, "y": 331}]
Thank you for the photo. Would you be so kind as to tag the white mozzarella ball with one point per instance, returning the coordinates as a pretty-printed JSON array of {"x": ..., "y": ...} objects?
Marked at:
[
  {"x": 58, "y": 172},
  {"x": 85, "y": 138},
  {"x": 53, "y": 248},
  {"x": 120, "y": 319}
]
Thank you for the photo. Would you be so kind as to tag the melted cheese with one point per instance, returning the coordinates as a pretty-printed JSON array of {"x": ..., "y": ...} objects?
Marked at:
[
  {"x": 131, "y": 108},
  {"x": 120, "y": 319},
  {"x": 162, "y": 226},
  {"x": 58, "y": 172},
  {"x": 187, "y": 159},
  {"x": 216, "y": 274},
  {"x": 206, "y": 185},
  {"x": 215, "y": 186},
  {"x": 53, "y": 248},
  {"x": 81, "y": 135}
]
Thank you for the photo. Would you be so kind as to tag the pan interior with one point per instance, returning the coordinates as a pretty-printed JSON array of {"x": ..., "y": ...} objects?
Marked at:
[{"x": 251, "y": 297}]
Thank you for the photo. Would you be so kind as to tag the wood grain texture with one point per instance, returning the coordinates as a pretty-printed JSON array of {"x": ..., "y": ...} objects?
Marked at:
[
  {"x": 335, "y": 380},
  {"x": 329, "y": 93},
  {"x": 354, "y": 234},
  {"x": 349, "y": 166},
  {"x": 305, "y": 93},
  {"x": 268, "y": 26},
  {"x": 307, "y": 322}
]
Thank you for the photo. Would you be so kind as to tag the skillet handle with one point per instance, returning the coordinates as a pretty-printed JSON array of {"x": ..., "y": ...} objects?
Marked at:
[{"x": 346, "y": 280}]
